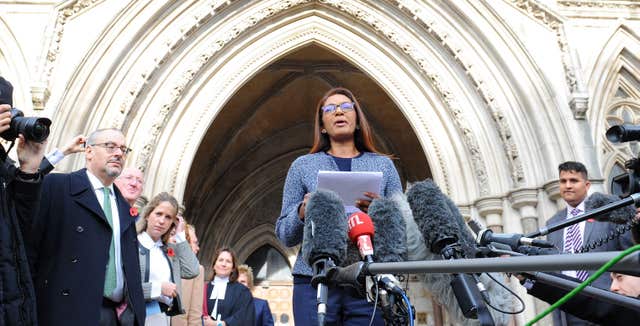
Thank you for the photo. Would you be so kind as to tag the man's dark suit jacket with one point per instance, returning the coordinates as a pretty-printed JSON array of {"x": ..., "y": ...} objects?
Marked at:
[
  {"x": 592, "y": 231},
  {"x": 69, "y": 251},
  {"x": 263, "y": 313}
]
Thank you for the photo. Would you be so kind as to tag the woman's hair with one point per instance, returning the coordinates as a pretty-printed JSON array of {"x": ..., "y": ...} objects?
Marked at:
[
  {"x": 162, "y": 197},
  {"x": 246, "y": 270},
  {"x": 363, "y": 137},
  {"x": 234, "y": 270}
]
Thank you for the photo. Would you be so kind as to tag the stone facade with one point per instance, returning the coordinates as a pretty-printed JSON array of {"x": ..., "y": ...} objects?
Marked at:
[{"x": 494, "y": 94}]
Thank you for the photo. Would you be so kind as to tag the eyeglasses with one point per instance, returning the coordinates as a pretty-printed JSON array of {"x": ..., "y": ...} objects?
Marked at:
[
  {"x": 111, "y": 147},
  {"x": 345, "y": 107}
]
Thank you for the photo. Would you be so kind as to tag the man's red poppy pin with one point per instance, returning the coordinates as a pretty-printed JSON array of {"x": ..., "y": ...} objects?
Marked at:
[{"x": 133, "y": 211}]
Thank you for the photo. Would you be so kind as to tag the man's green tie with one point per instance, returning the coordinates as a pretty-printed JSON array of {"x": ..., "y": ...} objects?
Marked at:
[{"x": 110, "y": 277}]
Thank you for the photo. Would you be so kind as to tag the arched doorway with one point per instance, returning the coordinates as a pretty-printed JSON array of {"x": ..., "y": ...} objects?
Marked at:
[{"x": 234, "y": 189}]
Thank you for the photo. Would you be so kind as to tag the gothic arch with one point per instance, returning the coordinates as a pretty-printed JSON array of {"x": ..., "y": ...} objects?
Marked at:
[
  {"x": 616, "y": 71},
  {"x": 167, "y": 83}
]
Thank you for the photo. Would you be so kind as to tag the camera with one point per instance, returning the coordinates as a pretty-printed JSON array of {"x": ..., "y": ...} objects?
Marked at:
[
  {"x": 33, "y": 128},
  {"x": 627, "y": 183}
]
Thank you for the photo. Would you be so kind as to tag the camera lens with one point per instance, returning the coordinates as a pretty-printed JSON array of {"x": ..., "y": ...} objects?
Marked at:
[{"x": 34, "y": 129}]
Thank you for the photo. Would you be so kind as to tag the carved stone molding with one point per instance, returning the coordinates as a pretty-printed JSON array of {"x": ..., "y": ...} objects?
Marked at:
[
  {"x": 578, "y": 100},
  {"x": 467, "y": 62},
  {"x": 39, "y": 97},
  {"x": 524, "y": 197},
  {"x": 552, "y": 188},
  {"x": 490, "y": 208},
  {"x": 65, "y": 13},
  {"x": 600, "y": 4}
]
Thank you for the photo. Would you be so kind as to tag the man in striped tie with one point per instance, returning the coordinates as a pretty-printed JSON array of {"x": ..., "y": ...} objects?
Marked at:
[{"x": 574, "y": 188}]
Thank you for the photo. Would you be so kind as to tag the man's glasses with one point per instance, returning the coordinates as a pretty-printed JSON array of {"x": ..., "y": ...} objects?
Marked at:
[
  {"x": 111, "y": 147},
  {"x": 345, "y": 107}
]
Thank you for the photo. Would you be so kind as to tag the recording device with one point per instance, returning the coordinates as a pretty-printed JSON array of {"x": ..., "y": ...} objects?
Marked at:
[
  {"x": 444, "y": 236},
  {"x": 627, "y": 183},
  {"x": 361, "y": 230},
  {"x": 324, "y": 241},
  {"x": 33, "y": 128}
]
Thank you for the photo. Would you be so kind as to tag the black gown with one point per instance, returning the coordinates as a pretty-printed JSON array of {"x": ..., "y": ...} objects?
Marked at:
[{"x": 237, "y": 307}]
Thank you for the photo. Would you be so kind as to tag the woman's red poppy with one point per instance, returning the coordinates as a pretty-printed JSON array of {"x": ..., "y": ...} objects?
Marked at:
[{"x": 170, "y": 252}]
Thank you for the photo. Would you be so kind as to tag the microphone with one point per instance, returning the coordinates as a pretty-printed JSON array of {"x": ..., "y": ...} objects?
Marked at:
[
  {"x": 619, "y": 216},
  {"x": 391, "y": 239},
  {"x": 444, "y": 234},
  {"x": 513, "y": 240},
  {"x": 324, "y": 241},
  {"x": 360, "y": 232}
]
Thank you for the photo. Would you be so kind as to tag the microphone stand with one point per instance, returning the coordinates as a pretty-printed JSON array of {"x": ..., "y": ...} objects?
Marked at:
[
  {"x": 632, "y": 199},
  {"x": 590, "y": 291}
]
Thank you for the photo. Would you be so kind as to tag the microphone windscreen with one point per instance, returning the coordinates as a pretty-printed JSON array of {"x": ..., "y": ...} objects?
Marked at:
[
  {"x": 360, "y": 224},
  {"x": 325, "y": 228},
  {"x": 620, "y": 216},
  {"x": 390, "y": 242},
  {"x": 432, "y": 213}
]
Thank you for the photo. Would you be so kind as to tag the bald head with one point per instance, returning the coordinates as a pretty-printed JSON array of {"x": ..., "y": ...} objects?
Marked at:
[{"x": 130, "y": 183}]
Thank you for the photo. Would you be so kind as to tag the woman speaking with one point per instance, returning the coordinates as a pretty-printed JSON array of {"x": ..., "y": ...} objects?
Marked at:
[{"x": 343, "y": 141}]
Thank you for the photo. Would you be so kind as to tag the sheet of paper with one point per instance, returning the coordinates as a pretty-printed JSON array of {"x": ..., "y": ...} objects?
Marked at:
[{"x": 350, "y": 186}]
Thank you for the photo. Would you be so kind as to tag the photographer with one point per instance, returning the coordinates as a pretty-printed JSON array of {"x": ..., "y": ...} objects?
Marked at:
[{"x": 19, "y": 197}]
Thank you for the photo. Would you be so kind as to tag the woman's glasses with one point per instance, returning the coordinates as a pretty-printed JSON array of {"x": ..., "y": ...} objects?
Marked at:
[{"x": 344, "y": 107}]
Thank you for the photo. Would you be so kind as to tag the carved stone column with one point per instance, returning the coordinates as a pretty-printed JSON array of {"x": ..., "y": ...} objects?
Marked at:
[
  {"x": 552, "y": 188},
  {"x": 526, "y": 200},
  {"x": 490, "y": 208}
]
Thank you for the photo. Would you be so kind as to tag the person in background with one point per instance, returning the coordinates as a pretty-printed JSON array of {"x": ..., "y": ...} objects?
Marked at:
[
  {"x": 263, "y": 312},
  {"x": 20, "y": 198},
  {"x": 192, "y": 289},
  {"x": 84, "y": 273},
  {"x": 574, "y": 188},
  {"x": 343, "y": 141},
  {"x": 131, "y": 184},
  {"x": 163, "y": 264},
  {"x": 226, "y": 302}
]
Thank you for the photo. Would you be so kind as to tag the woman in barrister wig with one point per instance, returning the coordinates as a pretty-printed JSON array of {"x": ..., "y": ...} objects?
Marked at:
[
  {"x": 343, "y": 141},
  {"x": 227, "y": 302},
  {"x": 162, "y": 263}
]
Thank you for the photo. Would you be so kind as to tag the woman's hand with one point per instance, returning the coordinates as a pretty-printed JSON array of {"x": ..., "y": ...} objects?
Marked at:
[
  {"x": 169, "y": 289},
  {"x": 207, "y": 321},
  {"x": 303, "y": 206},
  {"x": 363, "y": 204}
]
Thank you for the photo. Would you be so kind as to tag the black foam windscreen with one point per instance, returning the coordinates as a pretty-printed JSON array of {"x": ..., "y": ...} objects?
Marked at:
[
  {"x": 620, "y": 216},
  {"x": 390, "y": 239},
  {"x": 432, "y": 214},
  {"x": 325, "y": 228}
]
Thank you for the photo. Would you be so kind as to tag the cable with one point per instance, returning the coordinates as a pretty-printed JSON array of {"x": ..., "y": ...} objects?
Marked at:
[
  {"x": 613, "y": 234},
  {"x": 584, "y": 284},
  {"x": 512, "y": 293},
  {"x": 375, "y": 302},
  {"x": 406, "y": 299}
]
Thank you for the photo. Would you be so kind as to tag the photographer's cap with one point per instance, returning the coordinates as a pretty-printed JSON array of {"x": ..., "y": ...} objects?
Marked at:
[{"x": 6, "y": 92}]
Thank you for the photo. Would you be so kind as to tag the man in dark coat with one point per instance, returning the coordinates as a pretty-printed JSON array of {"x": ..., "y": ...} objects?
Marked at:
[
  {"x": 19, "y": 195},
  {"x": 84, "y": 272}
]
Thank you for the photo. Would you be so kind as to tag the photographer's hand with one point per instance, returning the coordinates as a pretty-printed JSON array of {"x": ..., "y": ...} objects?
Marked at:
[
  {"x": 30, "y": 154},
  {"x": 5, "y": 117}
]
